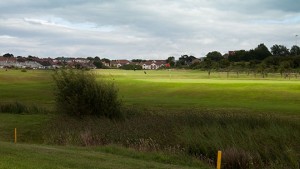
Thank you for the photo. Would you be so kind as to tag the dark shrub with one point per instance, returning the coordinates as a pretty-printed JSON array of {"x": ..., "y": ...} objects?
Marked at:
[{"x": 79, "y": 94}]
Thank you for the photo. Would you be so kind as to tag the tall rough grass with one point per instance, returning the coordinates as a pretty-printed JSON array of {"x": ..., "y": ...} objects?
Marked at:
[
  {"x": 20, "y": 108},
  {"x": 247, "y": 141}
]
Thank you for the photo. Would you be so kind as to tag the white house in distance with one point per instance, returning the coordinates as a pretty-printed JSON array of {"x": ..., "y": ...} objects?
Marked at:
[
  {"x": 150, "y": 64},
  {"x": 49, "y": 63},
  {"x": 7, "y": 62},
  {"x": 153, "y": 64},
  {"x": 119, "y": 63},
  {"x": 13, "y": 62}
]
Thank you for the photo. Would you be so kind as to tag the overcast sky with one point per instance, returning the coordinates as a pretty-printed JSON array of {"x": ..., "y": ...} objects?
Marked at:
[{"x": 146, "y": 29}]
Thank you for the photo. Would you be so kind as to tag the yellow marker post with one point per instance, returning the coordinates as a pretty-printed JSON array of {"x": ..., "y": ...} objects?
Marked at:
[
  {"x": 219, "y": 159},
  {"x": 15, "y": 135}
]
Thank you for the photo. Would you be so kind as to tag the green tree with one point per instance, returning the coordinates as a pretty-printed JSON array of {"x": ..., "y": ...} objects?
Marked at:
[
  {"x": 280, "y": 50},
  {"x": 285, "y": 67},
  {"x": 261, "y": 52},
  {"x": 242, "y": 54},
  {"x": 208, "y": 65},
  {"x": 90, "y": 58},
  {"x": 249, "y": 55},
  {"x": 295, "y": 50},
  {"x": 297, "y": 62},
  {"x": 171, "y": 61},
  {"x": 137, "y": 60},
  {"x": 272, "y": 61},
  {"x": 215, "y": 56},
  {"x": 237, "y": 56},
  {"x": 105, "y": 60},
  {"x": 224, "y": 63},
  {"x": 98, "y": 64},
  {"x": 78, "y": 94},
  {"x": 261, "y": 68},
  {"x": 185, "y": 60},
  {"x": 8, "y": 55}
]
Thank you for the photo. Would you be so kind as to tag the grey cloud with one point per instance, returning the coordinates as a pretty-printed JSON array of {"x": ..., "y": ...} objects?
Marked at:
[
  {"x": 255, "y": 6},
  {"x": 287, "y": 5},
  {"x": 156, "y": 28}
]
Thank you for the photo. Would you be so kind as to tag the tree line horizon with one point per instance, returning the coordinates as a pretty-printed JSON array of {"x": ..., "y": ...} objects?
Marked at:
[
  {"x": 260, "y": 59},
  {"x": 279, "y": 59}
]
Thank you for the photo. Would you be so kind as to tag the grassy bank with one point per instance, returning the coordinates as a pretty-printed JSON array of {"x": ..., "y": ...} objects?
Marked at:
[
  {"x": 248, "y": 141},
  {"x": 109, "y": 157}
]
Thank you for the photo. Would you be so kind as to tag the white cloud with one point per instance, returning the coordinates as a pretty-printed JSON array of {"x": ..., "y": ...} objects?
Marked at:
[
  {"x": 144, "y": 29},
  {"x": 3, "y": 38}
]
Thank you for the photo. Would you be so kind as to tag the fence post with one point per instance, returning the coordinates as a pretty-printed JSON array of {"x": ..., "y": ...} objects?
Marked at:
[
  {"x": 15, "y": 135},
  {"x": 219, "y": 159}
]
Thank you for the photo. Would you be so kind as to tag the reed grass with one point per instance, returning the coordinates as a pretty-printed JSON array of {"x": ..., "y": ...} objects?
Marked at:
[{"x": 248, "y": 141}]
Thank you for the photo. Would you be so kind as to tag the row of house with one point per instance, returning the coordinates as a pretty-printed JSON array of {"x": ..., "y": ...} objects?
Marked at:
[
  {"x": 13, "y": 62},
  {"x": 42, "y": 63},
  {"x": 150, "y": 64},
  {"x": 49, "y": 63}
]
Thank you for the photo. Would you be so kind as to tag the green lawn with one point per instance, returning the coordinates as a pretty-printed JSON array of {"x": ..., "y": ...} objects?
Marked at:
[
  {"x": 15, "y": 156},
  {"x": 175, "y": 89},
  {"x": 33, "y": 87},
  {"x": 193, "y": 89},
  {"x": 29, "y": 127}
]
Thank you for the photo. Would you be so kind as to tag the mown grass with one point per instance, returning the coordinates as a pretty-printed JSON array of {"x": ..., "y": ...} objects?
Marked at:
[
  {"x": 33, "y": 87},
  {"x": 30, "y": 127},
  {"x": 176, "y": 89},
  {"x": 109, "y": 157},
  {"x": 193, "y": 89},
  {"x": 259, "y": 97}
]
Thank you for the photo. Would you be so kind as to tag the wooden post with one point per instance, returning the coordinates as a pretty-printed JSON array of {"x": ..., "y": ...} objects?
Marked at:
[
  {"x": 219, "y": 159},
  {"x": 15, "y": 135}
]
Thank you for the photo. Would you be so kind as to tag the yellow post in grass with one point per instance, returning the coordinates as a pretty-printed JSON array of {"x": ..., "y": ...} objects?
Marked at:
[
  {"x": 219, "y": 159},
  {"x": 15, "y": 135}
]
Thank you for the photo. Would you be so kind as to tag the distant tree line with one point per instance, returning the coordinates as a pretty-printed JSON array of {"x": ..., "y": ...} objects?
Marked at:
[{"x": 258, "y": 60}]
